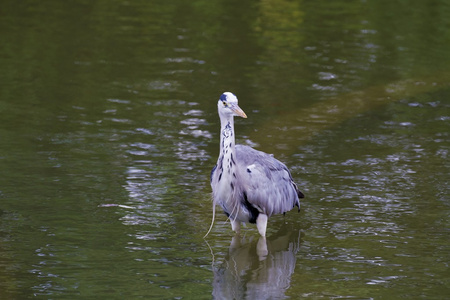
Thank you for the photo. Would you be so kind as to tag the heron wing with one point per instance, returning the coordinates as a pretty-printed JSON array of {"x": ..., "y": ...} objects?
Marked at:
[{"x": 265, "y": 182}]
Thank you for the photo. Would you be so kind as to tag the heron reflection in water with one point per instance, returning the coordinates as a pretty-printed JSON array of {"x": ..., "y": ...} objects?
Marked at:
[
  {"x": 248, "y": 184},
  {"x": 248, "y": 273}
]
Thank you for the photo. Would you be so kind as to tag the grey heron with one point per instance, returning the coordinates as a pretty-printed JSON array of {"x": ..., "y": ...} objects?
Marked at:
[{"x": 248, "y": 184}]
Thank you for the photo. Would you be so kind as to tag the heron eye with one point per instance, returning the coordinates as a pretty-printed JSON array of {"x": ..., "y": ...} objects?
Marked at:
[{"x": 224, "y": 104}]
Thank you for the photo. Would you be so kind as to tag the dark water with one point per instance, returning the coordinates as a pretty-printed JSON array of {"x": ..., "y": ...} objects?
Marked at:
[{"x": 109, "y": 130}]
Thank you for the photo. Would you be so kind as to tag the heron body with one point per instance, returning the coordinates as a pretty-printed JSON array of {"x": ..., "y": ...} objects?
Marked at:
[{"x": 248, "y": 184}]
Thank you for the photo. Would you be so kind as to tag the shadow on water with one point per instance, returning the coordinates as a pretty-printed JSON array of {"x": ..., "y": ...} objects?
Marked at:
[
  {"x": 307, "y": 121},
  {"x": 257, "y": 268}
]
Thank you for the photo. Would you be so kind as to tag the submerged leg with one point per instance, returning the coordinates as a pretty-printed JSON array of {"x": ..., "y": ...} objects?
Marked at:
[
  {"x": 236, "y": 226},
  {"x": 261, "y": 248},
  {"x": 261, "y": 224}
]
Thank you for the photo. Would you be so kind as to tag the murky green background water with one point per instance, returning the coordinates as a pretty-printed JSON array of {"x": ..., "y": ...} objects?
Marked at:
[{"x": 109, "y": 130}]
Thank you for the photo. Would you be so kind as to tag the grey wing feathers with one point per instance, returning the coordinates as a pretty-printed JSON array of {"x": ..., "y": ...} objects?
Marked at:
[{"x": 265, "y": 181}]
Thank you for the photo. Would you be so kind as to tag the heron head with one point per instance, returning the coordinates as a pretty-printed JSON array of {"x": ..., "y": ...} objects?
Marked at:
[{"x": 228, "y": 106}]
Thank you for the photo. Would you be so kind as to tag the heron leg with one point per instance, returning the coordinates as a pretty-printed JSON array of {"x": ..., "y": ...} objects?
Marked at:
[
  {"x": 261, "y": 248},
  {"x": 235, "y": 226},
  {"x": 261, "y": 224}
]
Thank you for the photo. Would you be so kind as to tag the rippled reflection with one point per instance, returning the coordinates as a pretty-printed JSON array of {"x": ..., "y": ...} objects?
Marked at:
[{"x": 257, "y": 268}]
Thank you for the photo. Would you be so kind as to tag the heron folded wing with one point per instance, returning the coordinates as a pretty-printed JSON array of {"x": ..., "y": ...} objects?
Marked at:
[{"x": 266, "y": 181}]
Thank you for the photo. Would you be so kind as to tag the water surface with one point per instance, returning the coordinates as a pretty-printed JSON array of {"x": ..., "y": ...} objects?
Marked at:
[{"x": 109, "y": 131}]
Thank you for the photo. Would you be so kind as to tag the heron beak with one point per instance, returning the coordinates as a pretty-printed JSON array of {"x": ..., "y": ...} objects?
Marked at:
[{"x": 238, "y": 111}]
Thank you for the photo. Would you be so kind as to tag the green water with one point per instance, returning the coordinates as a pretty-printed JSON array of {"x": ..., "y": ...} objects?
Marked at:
[{"x": 109, "y": 129}]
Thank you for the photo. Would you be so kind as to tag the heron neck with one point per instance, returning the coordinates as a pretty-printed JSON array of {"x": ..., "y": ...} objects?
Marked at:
[{"x": 226, "y": 136}]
